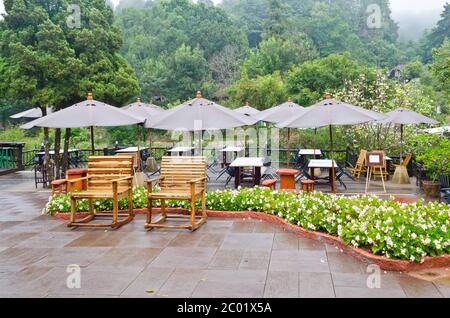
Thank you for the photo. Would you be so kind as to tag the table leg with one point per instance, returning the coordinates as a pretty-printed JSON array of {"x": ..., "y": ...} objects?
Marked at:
[
  {"x": 332, "y": 181},
  {"x": 237, "y": 176},
  {"x": 257, "y": 176}
]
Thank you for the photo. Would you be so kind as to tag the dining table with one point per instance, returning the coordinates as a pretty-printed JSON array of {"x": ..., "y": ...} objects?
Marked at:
[
  {"x": 229, "y": 149},
  {"x": 180, "y": 150},
  {"x": 324, "y": 164},
  {"x": 247, "y": 162}
]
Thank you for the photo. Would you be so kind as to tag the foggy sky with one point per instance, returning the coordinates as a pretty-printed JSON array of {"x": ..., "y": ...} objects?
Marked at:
[{"x": 413, "y": 16}]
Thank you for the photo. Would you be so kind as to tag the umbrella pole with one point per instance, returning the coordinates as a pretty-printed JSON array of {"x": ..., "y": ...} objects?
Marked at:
[
  {"x": 401, "y": 144},
  {"x": 92, "y": 141},
  {"x": 138, "y": 159},
  {"x": 333, "y": 181},
  {"x": 289, "y": 148}
]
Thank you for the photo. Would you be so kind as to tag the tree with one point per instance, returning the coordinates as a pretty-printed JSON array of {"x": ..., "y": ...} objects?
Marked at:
[
  {"x": 176, "y": 76},
  {"x": 275, "y": 23},
  {"x": 49, "y": 61},
  {"x": 310, "y": 81},
  {"x": 278, "y": 54},
  {"x": 441, "y": 71},
  {"x": 262, "y": 92},
  {"x": 437, "y": 35}
]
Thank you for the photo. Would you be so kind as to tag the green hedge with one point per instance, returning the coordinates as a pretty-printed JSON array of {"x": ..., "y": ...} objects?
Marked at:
[{"x": 395, "y": 230}]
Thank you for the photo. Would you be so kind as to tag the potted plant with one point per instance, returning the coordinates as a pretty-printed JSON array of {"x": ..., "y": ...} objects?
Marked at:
[{"x": 436, "y": 161}]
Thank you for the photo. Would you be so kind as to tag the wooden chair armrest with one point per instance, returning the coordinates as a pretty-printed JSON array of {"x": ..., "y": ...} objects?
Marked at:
[
  {"x": 121, "y": 179},
  {"x": 79, "y": 179},
  {"x": 150, "y": 181},
  {"x": 197, "y": 180}
]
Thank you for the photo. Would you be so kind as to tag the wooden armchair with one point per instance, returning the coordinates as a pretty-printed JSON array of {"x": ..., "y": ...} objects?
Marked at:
[
  {"x": 108, "y": 177},
  {"x": 182, "y": 178},
  {"x": 360, "y": 166}
]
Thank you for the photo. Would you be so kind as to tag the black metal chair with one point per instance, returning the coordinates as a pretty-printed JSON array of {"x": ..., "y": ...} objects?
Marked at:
[
  {"x": 445, "y": 188},
  {"x": 42, "y": 175}
]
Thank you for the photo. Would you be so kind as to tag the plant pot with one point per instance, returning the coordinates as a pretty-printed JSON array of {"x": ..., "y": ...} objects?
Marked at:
[{"x": 432, "y": 188}]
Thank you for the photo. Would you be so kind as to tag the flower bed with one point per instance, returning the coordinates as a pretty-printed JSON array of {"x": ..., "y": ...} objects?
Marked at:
[{"x": 387, "y": 228}]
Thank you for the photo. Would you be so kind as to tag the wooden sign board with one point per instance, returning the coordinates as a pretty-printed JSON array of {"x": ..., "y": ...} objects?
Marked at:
[{"x": 375, "y": 159}]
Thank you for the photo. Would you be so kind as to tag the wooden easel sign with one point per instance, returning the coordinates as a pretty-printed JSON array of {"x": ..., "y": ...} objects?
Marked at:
[{"x": 374, "y": 160}]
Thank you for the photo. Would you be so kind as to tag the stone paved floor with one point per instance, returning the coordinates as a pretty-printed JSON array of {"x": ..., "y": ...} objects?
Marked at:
[{"x": 224, "y": 258}]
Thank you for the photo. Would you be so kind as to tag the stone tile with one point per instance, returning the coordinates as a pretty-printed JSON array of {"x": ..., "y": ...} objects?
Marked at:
[
  {"x": 182, "y": 257},
  {"x": 22, "y": 256},
  {"x": 8, "y": 224},
  {"x": 307, "y": 244},
  {"x": 217, "y": 226},
  {"x": 342, "y": 263},
  {"x": 147, "y": 240},
  {"x": 94, "y": 281},
  {"x": 300, "y": 266},
  {"x": 361, "y": 292},
  {"x": 224, "y": 263},
  {"x": 98, "y": 239},
  {"x": 416, "y": 288},
  {"x": 248, "y": 241},
  {"x": 285, "y": 241},
  {"x": 316, "y": 285},
  {"x": 281, "y": 285},
  {"x": 50, "y": 239},
  {"x": 444, "y": 289},
  {"x": 151, "y": 279},
  {"x": 181, "y": 283},
  {"x": 387, "y": 281},
  {"x": 25, "y": 282},
  {"x": 125, "y": 257},
  {"x": 210, "y": 289},
  {"x": 235, "y": 276},
  {"x": 34, "y": 225},
  {"x": 267, "y": 227},
  {"x": 10, "y": 239},
  {"x": 80, "y": 256},
  {"x": 299, "y": 255},
  {"x": 243, "y": 226},
  {"x": 254, "y": 263}
]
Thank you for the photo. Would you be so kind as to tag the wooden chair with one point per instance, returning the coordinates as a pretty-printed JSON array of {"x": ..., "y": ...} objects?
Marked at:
[
  {"x": 108, "y": 177},
  {"x": 360, "y": 166},
  {"x": 182, "y": 178}
]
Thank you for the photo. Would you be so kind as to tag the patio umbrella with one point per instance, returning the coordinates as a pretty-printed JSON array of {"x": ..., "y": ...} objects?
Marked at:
[
  {"x": 88, "y": 113},
  {"x": 142, "y": 110},
  {"x": 247, "y": 110},
  {"x": 31, "y": 113},
  {"x": 199, "y": 114},
  {"x": 330, "y": 112},
  {"x": 280, "y": 113},
  {"x": 403, "y": 116}
]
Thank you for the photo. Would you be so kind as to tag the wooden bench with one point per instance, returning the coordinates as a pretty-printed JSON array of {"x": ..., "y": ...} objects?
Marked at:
[
  {"x": 182, "y": 178},
  {"x": 108, "y": 177}
]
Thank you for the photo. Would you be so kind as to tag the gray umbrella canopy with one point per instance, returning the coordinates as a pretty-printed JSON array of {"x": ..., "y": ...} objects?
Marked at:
[
  {"x": 330, "y": 112},
  {"x": 197, "y": 115},
  {"x": 142, "y": 109},
  {"x": 403, "y": 116},
  {"x": 32, "y": 113},
  {"x": 279, "y": 113},
  {"x": 247, "y": 110},
  {"x": 89, "y": 113}
]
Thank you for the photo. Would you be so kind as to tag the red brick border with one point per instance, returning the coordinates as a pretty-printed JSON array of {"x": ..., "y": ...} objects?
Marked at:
[{"x": 358, "y": 253}]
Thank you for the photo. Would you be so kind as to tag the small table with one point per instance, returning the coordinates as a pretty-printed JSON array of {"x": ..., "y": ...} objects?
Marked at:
[
  {"x": 255, "y": 162},
  {"x": 132, "y": 151},
  {"x": 181, "y": 150},
  {"x": 287, "y": 178},
  {"x": 327, "y": 164},
  {"x": 310, "y": 152},
  {"x": 229, "y": 149}
]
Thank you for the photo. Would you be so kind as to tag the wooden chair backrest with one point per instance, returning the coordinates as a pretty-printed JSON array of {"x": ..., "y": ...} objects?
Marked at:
[
  {"x": 103, "y": 169},
  {"x": 361, "y": 158},
  {"x": 407, "y": 159},
  {"x": 178, "y": 170}
]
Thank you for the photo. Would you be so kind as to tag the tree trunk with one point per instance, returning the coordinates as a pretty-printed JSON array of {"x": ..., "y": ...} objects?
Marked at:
[
  {"x": 65, "y": 157},
  {"x": 57, "y": 157},
  {"x": 46, "y": 147}
]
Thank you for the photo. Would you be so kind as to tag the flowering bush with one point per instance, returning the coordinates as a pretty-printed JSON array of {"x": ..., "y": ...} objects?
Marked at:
[{"x": 395, "y": 230}]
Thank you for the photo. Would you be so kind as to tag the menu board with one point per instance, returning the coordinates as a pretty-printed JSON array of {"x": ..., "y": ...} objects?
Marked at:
[{"x": 375, "y": 159}]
